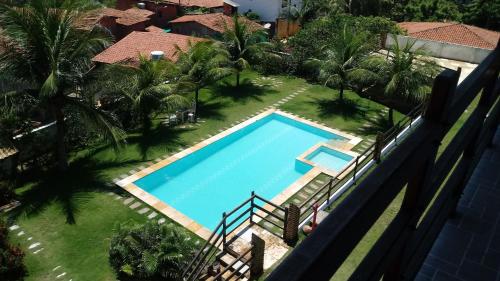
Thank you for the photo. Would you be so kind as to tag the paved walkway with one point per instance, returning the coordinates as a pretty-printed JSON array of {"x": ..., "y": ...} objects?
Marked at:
[{"x": 468, "y": 247}]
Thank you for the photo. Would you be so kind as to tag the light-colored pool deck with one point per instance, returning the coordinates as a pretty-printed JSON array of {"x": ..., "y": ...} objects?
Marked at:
[{"x": 203, "y": 232}]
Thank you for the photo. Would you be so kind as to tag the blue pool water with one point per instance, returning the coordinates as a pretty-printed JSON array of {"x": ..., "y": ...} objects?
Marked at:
[
  {"x": 259, "y": 157},
  {"x": 329, "y": 158}
]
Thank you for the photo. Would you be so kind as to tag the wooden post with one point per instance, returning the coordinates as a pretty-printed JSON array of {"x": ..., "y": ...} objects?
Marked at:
[
  {"x": 377, "y": 151},
  {"x": 355, "y": 169},
  {"x": 292, "y": 225},
  {"x": 285, "y": 222},
  {"x": 469, "y": 155},
  {"x": 257, "y": 264},
  {"x": 441, "y": 97},
  {"x": 330, "y": 183},
  {"x": 251, "y": 207},
  {"x": 224, "y": 231}
]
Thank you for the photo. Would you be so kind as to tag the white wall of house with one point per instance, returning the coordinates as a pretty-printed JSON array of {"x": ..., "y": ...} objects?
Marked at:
[
  {"x": 443, "y": 49},
  {"x": 268, "y": 10}
]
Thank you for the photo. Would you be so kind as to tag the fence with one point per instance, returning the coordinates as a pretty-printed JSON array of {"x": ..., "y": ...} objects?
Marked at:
[
  {"x": 286, "y": 28},
  {"x": 432, "y": 183}
]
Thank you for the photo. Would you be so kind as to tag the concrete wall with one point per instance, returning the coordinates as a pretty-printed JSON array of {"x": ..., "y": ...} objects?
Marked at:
[{"x": 443, "y": 50}]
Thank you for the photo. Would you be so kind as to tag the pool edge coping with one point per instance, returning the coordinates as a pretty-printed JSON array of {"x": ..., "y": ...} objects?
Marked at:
[{"x": 187, "y": 222}]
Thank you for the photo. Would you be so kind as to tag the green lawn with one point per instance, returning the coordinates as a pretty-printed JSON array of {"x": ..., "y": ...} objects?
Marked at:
[{"x": 73, "y": 217}]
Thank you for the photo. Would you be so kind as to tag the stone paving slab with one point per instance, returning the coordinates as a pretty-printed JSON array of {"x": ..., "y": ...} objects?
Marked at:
[{"x": 468, "y": 246}]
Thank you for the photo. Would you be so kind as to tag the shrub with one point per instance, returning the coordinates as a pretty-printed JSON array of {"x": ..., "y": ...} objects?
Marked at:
[
  {"x": 11, "y": 258},
  {"x": 150, "y": 252},
  {"x": 6, "y": 192}
]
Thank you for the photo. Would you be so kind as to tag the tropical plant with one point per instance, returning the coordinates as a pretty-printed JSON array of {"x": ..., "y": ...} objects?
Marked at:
[
  {"x": 11, "y": 258},
  {"x": 341, "y": 65},
  {"x": 43, "y": 47},
  {"x": 150, "y": 252},
  {"x": 310, "y": 41},
  {"x": 406, "y": 74},
  {"x": 203, "y": 64},
  {"x": 144, "y": 90},
  {"x": 244, "y": 43}
]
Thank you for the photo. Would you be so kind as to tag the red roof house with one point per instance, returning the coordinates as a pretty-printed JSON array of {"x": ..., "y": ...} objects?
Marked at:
[
  {"x": 136, "y": 43},
  {"x": 207, "y": 24},
  {"x": 118, "y": 22},
  {"x": 454, "y": 33}
]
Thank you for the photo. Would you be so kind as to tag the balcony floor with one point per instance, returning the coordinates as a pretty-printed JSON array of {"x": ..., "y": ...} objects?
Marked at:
[{"x": 468, "y": 247}]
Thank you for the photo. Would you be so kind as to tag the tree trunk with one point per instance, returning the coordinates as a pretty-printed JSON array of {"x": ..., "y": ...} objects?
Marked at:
[
  {"x": 391, "y": 116},
  {"x": 341, "y": 92},
  {"x": 196, "y": 95},
  {"x": 237, "y": 78},
  {"x": 62, "y": 156}
]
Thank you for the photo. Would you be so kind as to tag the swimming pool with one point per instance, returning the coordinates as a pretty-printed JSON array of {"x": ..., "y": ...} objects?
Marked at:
[
  {"x": 330, "y": 158},
  {"x": 214, "y": 179}
]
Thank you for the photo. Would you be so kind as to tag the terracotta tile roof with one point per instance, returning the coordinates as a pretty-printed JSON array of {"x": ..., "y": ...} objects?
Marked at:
[
  {"x": 215, "y": 21},
  {"x": 153, "y": 28},
  {"x": 129, "y": 48},
  {"x": 127, "y": 17},
  {"x": 198, "y": 3},
  {"x": 455, "y": 33},
  {"x": 6, "y": 150}
]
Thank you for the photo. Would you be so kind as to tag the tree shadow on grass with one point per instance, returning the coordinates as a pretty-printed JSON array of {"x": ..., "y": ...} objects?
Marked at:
[
  {"x": 161, "y": 138},
  {"x": 374, "y": 126},
  {"x": 212, "y": 109},
  {"x": 348, "y": 109},
  {"x": 244, "y": 92},
  {"x": 69, "y": 190}
]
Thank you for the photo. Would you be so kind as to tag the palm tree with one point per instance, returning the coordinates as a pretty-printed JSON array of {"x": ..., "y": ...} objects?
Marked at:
[
  {"x": 342, "y": 65},
  {"x": 150, "y": 252},
  {"x": 204, "y": 63},
  {"x": 145, "y": 89},
  {"x": 244, "y": 44},
  {"x": 43, "y": 47},
  {"x": 407, "y": 75}
]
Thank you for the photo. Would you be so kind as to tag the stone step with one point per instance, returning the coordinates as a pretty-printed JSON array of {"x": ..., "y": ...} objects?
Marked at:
[
  {"x": 152, "y": 215},
  {"x": 128, "y": 200},
  {"x": 38, "y": 251},
  {"x": 34, "y": 245},
  {"x": 13, "y": 227},
  {"x": 135, "y": 205}
]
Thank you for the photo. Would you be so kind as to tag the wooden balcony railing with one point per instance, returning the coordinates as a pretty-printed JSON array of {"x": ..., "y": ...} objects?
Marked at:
[{"x": 432, "y": 176}]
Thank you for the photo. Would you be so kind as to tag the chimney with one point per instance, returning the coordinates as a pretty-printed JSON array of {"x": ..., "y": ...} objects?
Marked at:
[{"x": 157, "y": 55}]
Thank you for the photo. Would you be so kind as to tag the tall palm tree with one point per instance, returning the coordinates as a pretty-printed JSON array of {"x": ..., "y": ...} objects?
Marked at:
[
  {"x": 244, "y": 44},
  {"x": 43, "y": 47},
  {"x": 203, "y": 64},
  {"x": 406, "y": 74},
  {"x": 145, "y": 89},
  {"x": 342, "y": 62}
]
